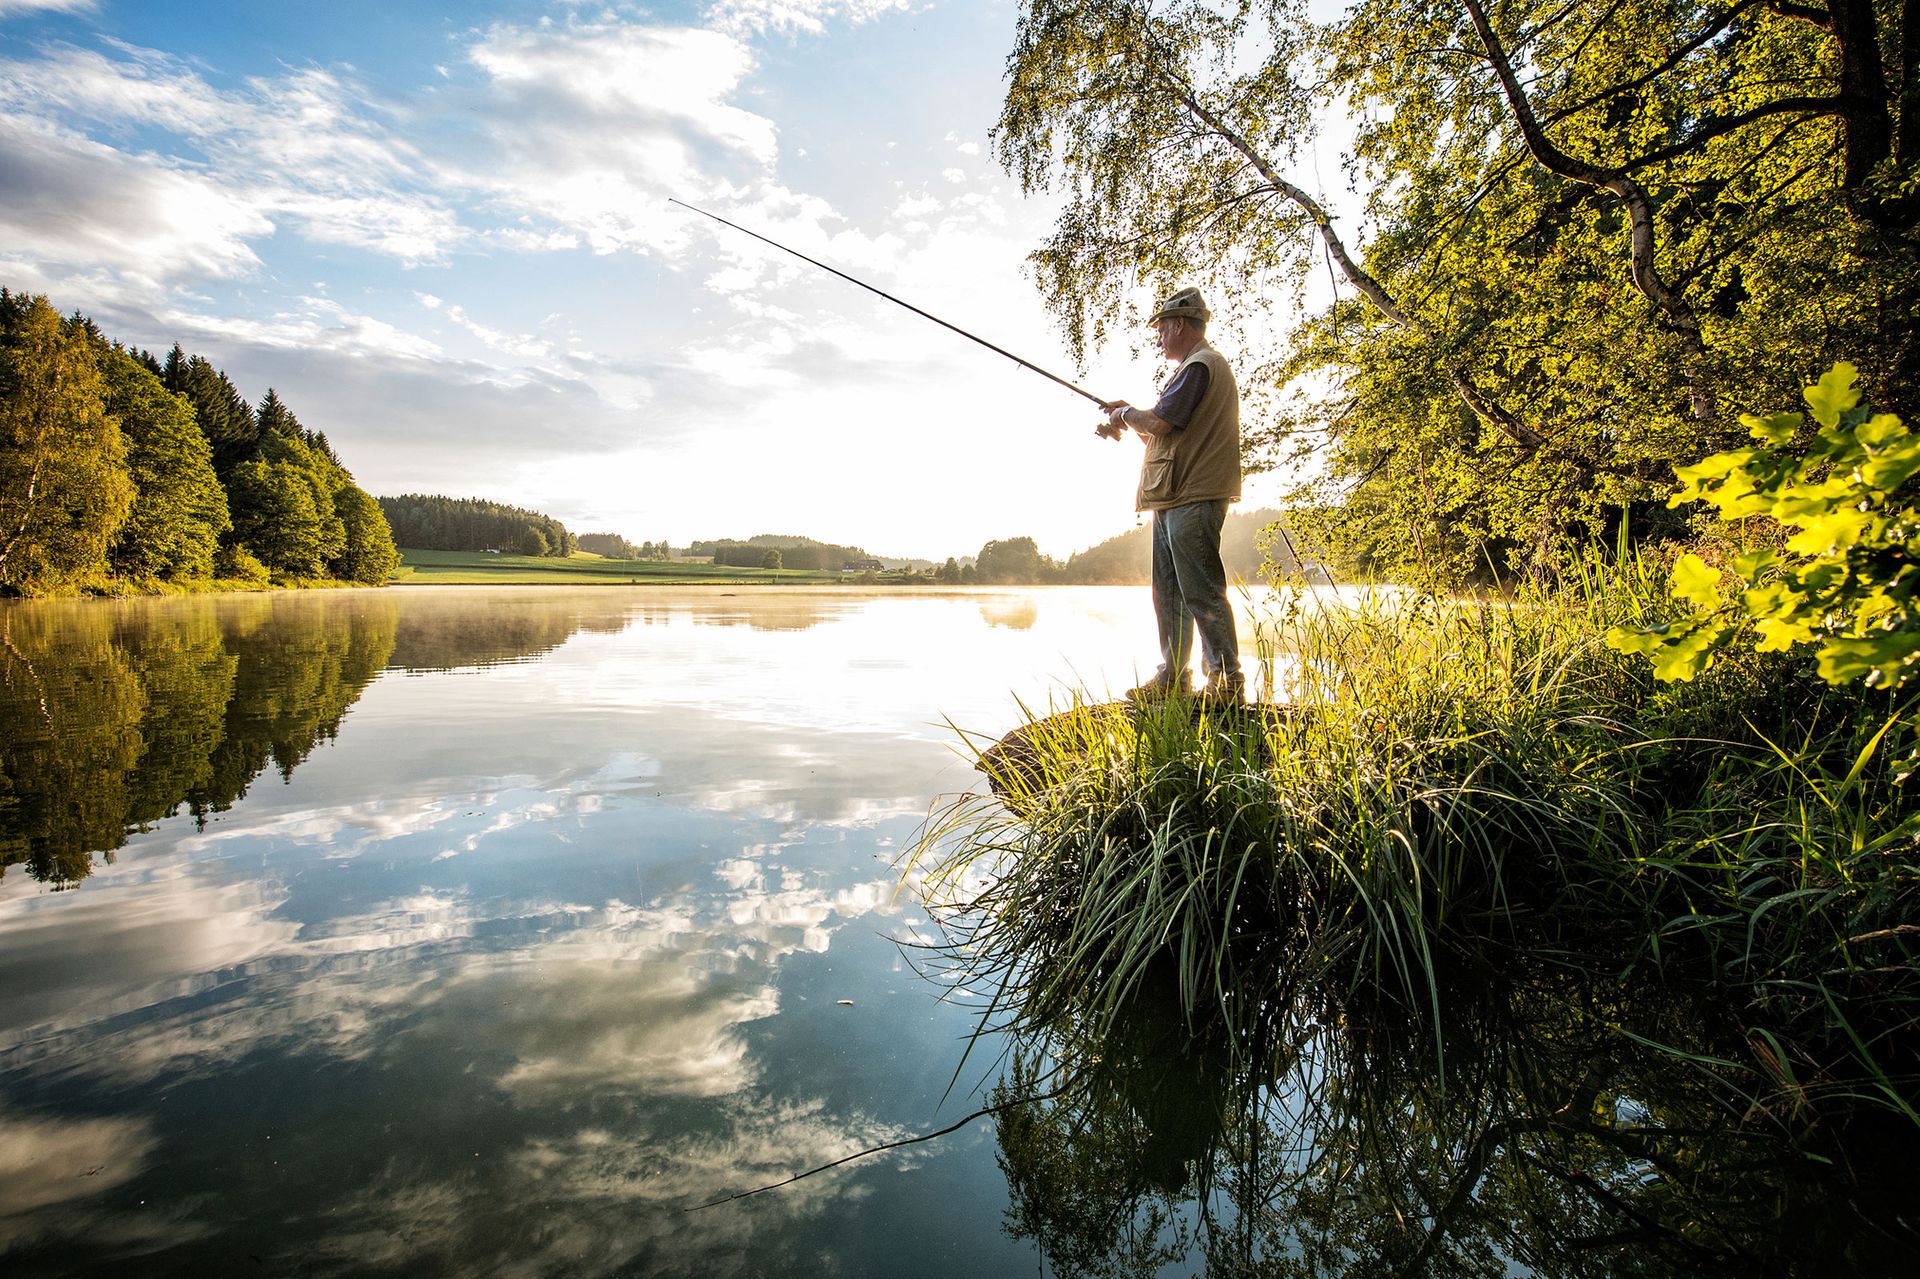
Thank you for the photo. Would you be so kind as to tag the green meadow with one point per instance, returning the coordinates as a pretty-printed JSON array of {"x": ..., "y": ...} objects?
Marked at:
[{"x": 478, "y": 568}]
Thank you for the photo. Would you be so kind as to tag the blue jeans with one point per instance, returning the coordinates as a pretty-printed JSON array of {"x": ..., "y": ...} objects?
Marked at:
[{"x": 1190, "y": 589}]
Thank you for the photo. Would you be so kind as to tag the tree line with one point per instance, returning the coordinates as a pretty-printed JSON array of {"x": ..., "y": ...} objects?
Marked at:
[
  {"x": 434, "y": 523},
  {"x": 1253, "y": 545},
  {"x": 1595, "y": 234},
  {"x": 615, "y": 547},
  {"x": 118, "y": 467},
  {"x": 775, "y": 550}
]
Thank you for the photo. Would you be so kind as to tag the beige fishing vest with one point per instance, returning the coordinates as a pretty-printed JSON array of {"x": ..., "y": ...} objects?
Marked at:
[{"x": 1200, "y": 462}]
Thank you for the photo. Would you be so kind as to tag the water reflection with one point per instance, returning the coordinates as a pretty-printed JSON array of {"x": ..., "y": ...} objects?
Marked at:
[
  {"x": 1539, "y": 1134},
  {"x": 561, "y": 912},
  {"x": 120, "y": 714},
  {"x": 116, "y": 716}
]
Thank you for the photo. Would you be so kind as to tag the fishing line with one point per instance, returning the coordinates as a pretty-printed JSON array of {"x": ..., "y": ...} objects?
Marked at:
[{"x": 1025, "y": 364}]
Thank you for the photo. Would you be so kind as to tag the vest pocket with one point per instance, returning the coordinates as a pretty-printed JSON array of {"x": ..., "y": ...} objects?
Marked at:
[
  {"x": 1156, "y": 479},
  {"x": 1156, "y": 468}
]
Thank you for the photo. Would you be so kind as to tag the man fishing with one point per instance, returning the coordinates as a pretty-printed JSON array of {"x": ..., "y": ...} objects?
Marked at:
[{"x": 1190, "y": 472}]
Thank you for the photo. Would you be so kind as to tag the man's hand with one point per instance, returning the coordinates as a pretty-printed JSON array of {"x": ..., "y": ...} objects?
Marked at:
[{"x": 1115, "y": 427}]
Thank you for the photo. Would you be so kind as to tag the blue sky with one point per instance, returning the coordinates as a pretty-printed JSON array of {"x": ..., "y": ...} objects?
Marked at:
[{"x": 442, "y": 234}]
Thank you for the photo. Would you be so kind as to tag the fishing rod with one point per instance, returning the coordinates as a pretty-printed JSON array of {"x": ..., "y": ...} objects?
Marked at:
[{"x": 1025, "y": 364}]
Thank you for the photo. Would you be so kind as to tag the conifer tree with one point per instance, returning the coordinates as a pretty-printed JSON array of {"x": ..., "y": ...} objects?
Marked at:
[
  {"x": 274, "y": 417},
  {"x": 224, "y": 415}
]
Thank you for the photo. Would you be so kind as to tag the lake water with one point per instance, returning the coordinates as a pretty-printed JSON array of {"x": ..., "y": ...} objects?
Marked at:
[{"x": 450, "y": 932}]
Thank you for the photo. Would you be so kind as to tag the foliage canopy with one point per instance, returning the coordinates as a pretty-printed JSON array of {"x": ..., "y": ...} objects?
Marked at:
[
  {"x": 115, "y": 467},
  {"x": 1844, "y": 581},
  {"x": 1587, "y": 227}
]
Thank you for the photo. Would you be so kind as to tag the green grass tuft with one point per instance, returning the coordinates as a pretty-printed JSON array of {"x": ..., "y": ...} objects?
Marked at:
[{"x": 1447, "y": 785}]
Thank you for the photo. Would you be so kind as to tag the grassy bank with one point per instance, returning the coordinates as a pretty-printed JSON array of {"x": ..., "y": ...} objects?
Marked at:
[
  {"x": 137, "y": 587},
  {"x": 477, "y": 568},
  {"x": 1451, "y": 786}
]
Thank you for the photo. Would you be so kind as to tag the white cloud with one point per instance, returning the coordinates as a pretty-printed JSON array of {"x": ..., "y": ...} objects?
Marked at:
[
  {"x": 593, "y": 126},
  {"x": 310, "y": 148},
  {"x": 790, "y": 17},
  {"x": 8, "y": 8},
  {"x": 521, "y": 345},
  {"x": 76, "y": 202},
  {"x": 917, "y": 206},
  {"x": 319, "y": 324}
]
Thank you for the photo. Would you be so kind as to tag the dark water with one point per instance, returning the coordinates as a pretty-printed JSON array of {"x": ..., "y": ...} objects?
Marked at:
[{"x": 448, "y": 932}]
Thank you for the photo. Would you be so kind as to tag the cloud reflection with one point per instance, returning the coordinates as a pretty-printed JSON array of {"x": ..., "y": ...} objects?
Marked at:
[
  {"x": 619, "y": 994},
  {"x": 50, "y": 1169},
  {"x": 613, "y": 1201}
]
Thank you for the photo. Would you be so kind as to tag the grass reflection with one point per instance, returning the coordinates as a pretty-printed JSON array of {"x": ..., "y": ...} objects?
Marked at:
[{"x": 1552, "y": 1139}]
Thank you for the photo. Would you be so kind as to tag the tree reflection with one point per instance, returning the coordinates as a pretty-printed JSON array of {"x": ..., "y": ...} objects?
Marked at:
[
  {"x": 1538, "y": 1129},
  {"x": 457, "y": 630},
  {"x": 116, "y": 716}
]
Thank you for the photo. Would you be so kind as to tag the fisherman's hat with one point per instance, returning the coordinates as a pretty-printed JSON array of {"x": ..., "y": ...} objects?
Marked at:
[{"x": 1187, "y": 304}]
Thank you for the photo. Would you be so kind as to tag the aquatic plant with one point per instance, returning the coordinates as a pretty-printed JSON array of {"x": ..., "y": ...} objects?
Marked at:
[{"x": 1443, "y": 785}]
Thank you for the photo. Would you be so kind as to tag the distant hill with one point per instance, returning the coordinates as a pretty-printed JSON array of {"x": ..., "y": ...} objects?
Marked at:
[
  {"x": 1127, "y": 559},
  {"x": 615, "y": 547}
]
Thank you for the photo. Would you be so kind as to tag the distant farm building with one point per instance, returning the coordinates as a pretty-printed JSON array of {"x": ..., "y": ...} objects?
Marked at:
[{"x": 864, "y": 566}]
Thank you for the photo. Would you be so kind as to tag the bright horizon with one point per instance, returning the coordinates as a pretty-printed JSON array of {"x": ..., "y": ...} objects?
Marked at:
[{"x": 443, "y": 236}]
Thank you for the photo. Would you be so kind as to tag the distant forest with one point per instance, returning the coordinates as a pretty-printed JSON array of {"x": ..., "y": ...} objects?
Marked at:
[
  {"x": 432, "y": 523},
  {"x": 1248, "y": 540},
  {"x": 119, "y": 469},
  {"x": 775, "y": 550},
  {"x": 615, "y": 547}
]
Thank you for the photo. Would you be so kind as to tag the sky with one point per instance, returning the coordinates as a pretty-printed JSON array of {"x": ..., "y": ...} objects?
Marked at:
[{"x": 442, "y": 234}]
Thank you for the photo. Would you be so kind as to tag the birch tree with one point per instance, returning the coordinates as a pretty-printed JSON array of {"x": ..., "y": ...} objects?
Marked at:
[{"x": 1576, "y": 230}]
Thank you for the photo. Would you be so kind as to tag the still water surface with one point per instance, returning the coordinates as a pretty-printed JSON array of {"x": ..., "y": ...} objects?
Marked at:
[
  {"x": 450, "y": 932},
  {"x": 444, "y": 931}
]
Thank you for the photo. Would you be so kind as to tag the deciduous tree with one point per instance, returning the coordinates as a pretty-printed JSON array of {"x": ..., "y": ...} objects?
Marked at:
[
  {"x": 179, "y": 509},
  {"x": 64, "y": 486},
  {"x": 1586, "y": 228}
]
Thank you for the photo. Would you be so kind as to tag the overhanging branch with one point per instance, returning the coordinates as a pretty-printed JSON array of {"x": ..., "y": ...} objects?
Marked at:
[{"x": 1469, "y": 391}]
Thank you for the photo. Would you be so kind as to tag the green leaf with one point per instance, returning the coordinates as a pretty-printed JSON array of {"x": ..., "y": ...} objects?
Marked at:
[
  {"x": 1829, "y": 533},
  {"x": 1884, "y": 658},
  {"x": 1695, "y": 583},
  {"x": 1833, "y": 394},
  {"x": 1777, "y": 634},
  {"x": 1775, "y": 428},
  {"x": 1688, "y": 655},
  {"x": 1880, "y": 430},
  {"x": 1894, "y": 461}
]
